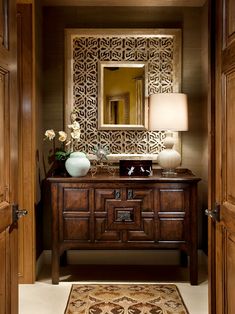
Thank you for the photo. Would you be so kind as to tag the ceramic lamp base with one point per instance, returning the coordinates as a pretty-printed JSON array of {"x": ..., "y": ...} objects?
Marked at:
[{"x": 168, "y": 160}]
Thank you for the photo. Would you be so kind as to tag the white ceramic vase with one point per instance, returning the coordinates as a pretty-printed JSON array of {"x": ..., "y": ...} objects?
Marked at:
[{"x": 77, "y": 164}]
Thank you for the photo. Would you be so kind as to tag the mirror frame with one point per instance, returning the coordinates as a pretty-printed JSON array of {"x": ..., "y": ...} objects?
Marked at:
[
  {"x": 123, "y": 64},
  {"x": 99, "y": 136}
]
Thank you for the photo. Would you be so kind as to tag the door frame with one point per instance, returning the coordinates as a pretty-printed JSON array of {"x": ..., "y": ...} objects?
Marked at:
[
  {"x": 212, "y": 154},
  {"x": 27, "y": 139}
]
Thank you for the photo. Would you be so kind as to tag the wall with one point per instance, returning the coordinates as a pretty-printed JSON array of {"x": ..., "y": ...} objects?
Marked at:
[{"x": 55, "y": 19}]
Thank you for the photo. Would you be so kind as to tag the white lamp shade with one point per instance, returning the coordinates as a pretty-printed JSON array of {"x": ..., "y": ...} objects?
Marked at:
[{"x": 168, "y": 111}]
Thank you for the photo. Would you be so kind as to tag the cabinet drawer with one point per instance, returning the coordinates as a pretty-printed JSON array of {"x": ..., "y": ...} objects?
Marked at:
[
  {"x": 75, "y": 200},
  {"x": 173, "y": 200},
  {"x": 123, "y": 193}
]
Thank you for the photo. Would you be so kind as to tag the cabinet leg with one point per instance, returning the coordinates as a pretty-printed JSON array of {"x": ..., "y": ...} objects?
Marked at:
[
  {"x": 194, "y": 268},
  {"x": 55, "y": 268}
]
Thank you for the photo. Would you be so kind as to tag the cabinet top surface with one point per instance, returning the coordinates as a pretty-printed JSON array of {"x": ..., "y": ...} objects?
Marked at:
[{"x": 182, "y": 176}]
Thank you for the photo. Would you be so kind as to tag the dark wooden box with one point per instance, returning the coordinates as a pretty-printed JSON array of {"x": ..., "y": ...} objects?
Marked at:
[{"x": 135, "y": 167}]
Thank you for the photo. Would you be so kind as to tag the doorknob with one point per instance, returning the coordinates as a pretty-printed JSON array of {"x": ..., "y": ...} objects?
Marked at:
[
  {"x": 214, "y": 213},
  {"x": 18, "y": 213}
]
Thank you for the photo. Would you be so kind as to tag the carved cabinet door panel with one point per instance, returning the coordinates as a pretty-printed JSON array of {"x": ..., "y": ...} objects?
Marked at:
[
  {"x": 105, "y": 200},
  {"x": 124, "y": 215},
  {"x": 75, "y": 214},
  {"x": 146, "y": 231},
  {"x": 173, "y": 213}
]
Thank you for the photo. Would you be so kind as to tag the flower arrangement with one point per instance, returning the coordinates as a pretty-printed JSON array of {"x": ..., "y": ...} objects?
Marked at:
[{"x": 69, "y": 141}]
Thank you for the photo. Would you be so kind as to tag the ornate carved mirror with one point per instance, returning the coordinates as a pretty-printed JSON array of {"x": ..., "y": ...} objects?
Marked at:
[{"x": 93, "y": 59}]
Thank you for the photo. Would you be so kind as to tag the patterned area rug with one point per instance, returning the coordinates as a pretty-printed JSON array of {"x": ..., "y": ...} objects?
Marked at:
[{"x": 125, "y": 299}]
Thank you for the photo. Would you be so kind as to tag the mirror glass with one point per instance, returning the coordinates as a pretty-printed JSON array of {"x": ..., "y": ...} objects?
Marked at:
[{"x": 122, "y": 94}]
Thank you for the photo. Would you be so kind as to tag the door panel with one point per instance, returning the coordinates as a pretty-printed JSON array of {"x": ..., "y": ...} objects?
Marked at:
[
  {"x": 230, "y": 27},
  {"x": 5, "y": 208},
  {"x": 228, "y": 100},
  {"x": 4, "y": 20},
  {"x": 4, "y": 136},
  {"x": 4, "y": 293},
  {"x": 8, "y": 158}
]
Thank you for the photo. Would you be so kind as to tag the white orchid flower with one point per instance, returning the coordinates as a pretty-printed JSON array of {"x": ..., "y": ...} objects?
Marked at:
[
  {"x": 69, "y": 139},
  {"x": 62, "y": 136},
  {"x": 76, "y": 134},
  {"x": 50, "y": 134},
  {"x": 74, "y": 126}
]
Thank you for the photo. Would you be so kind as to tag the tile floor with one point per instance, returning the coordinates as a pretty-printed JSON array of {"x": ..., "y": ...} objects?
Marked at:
[{"x": 45, "y": 298}]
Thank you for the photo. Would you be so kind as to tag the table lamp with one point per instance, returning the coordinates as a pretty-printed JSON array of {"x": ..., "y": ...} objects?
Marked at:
[{"x": 168, "y": 112}]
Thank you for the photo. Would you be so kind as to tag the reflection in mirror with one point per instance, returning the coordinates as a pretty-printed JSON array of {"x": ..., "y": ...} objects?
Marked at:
[
  {"x": 117, "y": 109},
  {"x": 122, "y": 87}
]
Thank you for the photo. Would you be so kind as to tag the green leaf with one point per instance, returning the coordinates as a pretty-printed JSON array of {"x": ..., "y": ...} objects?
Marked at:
[{"x": 62, "y": 155}]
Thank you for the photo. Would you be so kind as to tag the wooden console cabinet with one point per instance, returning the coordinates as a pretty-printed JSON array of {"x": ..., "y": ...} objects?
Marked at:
[{"x": 113, "y": 212}]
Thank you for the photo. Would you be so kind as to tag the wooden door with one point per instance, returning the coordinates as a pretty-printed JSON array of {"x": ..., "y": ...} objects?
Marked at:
[
  {"x": 8, "y": 158},
  {"x": 222, "y": 232}
]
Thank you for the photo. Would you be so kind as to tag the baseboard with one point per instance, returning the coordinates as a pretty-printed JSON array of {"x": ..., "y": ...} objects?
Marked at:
[{"x": 119, "y": 257}]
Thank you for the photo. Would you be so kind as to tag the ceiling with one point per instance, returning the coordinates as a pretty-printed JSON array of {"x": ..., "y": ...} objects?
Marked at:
[{"x": 146, "y": 3}]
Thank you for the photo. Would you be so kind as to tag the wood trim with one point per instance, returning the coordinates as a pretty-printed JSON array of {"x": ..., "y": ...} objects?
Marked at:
[
  {"x": 25, "y": 1},
  {"x": 13, "y": 239},
  {"x": 211, "y": 159},
  {"x": 219, "y": 271},
  {"x": 218, "y": 232},
  {"x": 27, "y": 181},
  {"x": 110, "y": 3},
  {"x": 5, "y": 150}
]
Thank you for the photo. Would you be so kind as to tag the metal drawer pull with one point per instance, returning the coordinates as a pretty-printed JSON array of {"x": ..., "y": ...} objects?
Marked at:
[
  {"x": 124, "y": 216},
  {"x": 117, "y": 194},
  {"x": 130, "y": 194}
]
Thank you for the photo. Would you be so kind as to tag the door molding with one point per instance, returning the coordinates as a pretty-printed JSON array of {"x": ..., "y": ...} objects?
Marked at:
[
  {"x": 211, "y": 159},
  {"x": 27, "y": 163}
]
